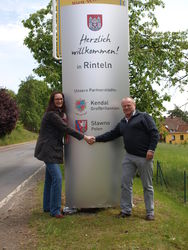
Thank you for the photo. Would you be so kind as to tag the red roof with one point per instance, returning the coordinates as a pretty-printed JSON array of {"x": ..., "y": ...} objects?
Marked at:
[
  {"x": 183, "y": 128},
  {"x": 175, "y": 124}
]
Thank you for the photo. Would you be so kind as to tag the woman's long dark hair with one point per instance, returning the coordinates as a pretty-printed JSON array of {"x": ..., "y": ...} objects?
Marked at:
[{"x": 51, "y": 104}]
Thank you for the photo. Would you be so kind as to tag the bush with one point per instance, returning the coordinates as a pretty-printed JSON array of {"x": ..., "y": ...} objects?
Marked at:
[{"x": 8, "y": 113}]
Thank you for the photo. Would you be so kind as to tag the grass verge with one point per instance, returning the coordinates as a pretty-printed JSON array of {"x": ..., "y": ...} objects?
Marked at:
[
  {"x": 173, "y": 161},
  {"x": 103, "y": 230},
  {"x": 18, "y": 135}
]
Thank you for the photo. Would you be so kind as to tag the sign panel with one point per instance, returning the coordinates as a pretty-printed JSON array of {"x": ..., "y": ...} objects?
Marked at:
[
  {"x": 57, "y": 4},
  {"x": 95, "y": 79}
]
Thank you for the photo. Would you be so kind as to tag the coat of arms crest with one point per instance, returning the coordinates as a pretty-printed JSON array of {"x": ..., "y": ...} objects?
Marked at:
[
  {"x": 94, "y": 22},
  {"x": 81, "y": 125},
  {"x": 80, "y": 105}
]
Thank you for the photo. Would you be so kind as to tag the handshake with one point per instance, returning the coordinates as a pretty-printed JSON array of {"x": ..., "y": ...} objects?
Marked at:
[{"x": 89, "y": 139}]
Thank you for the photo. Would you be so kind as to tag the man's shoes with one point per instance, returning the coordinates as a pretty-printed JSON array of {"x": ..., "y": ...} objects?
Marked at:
[
  {"x": 150, "y": 217},
  {"x": 123, "y": 215}
]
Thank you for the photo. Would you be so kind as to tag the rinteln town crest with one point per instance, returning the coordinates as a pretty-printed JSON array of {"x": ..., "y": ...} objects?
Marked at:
[{"x": 94, "y": 22}]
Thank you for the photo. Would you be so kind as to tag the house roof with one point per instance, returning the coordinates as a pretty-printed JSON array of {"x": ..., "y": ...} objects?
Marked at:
[
  {"x": 183, "y": 128},
  {"x": 175, "y": 124}
]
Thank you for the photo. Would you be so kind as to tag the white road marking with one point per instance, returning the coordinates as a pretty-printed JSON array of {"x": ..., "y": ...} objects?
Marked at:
[{"x": 6, "y": 199}]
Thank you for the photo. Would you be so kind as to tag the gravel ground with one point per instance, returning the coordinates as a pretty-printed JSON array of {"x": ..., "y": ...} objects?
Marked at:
[{"x": 15, "y": 233}]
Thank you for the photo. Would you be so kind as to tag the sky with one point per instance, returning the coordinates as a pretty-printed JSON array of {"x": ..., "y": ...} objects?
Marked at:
[{"x": 17, "y": 63}]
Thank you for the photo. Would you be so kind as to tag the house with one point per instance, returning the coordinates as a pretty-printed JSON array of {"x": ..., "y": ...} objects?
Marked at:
[{"x": 174, "y": 130}]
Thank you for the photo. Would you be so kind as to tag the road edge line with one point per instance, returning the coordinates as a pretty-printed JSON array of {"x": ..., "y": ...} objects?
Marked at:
[{"x": 18, "y": 188}]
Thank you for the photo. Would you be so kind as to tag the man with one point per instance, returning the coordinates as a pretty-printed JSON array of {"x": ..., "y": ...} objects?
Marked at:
[{"x": 140, "y": 137}]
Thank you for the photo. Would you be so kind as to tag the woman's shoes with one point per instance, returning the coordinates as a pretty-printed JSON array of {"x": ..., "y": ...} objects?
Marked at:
[{"x": 59, "y": 216}]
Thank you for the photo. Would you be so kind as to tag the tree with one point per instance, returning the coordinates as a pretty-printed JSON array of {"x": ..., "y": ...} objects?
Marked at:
[
  {"x": 157, "y": 60},
  {"x": 8, "y": 113},
  {"x": 177, "y": 112},
  {"x": 39, "y": 41},
  {"x": 12, "y": 94},
  {"x": 32, "y": 98}
]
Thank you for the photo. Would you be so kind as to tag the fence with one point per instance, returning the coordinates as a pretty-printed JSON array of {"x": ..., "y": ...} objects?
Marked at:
[{"x": 173, "y": 180}]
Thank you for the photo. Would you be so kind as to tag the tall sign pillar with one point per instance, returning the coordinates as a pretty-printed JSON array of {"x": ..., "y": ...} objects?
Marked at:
[{"x": 95, "y": 79}]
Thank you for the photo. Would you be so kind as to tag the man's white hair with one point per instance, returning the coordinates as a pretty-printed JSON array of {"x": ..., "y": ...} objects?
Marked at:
[{"x": 129, "y": 98}]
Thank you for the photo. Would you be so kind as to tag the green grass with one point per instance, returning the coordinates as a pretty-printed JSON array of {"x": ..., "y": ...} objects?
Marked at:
[
  {"x": 103, "y": 230},
  {"x": 173, "y": 156},
  {"x": 18, "y": 135},
  {"x": 173, "y": 161}
]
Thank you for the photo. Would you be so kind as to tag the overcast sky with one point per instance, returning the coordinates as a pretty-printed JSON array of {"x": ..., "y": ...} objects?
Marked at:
[{"x": 16, "y": 62}]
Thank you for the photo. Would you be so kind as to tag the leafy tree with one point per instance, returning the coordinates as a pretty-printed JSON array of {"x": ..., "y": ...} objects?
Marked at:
[
  {"x": 12, "y": 94},
  {"x": 177, "y": 112},
  {"x": 39, "y": 41},
  {"x": 8, "y": 113},
  {"x": 157, "y": 60},
  {"x": 32, "y": 98}
]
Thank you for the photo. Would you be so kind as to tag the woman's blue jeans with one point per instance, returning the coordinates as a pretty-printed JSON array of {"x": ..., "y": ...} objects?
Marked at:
[{"x": 52, "y": 189}]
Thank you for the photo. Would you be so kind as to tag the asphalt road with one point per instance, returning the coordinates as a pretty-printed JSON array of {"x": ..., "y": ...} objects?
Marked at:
[{"x": 17, "y": 163}]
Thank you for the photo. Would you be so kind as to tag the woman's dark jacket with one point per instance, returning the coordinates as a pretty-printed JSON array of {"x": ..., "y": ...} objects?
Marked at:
[{"x": 49, "y": 147}]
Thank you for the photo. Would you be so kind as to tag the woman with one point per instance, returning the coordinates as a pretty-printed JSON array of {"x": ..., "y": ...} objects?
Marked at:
[{"x": 49, "y": 148}]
